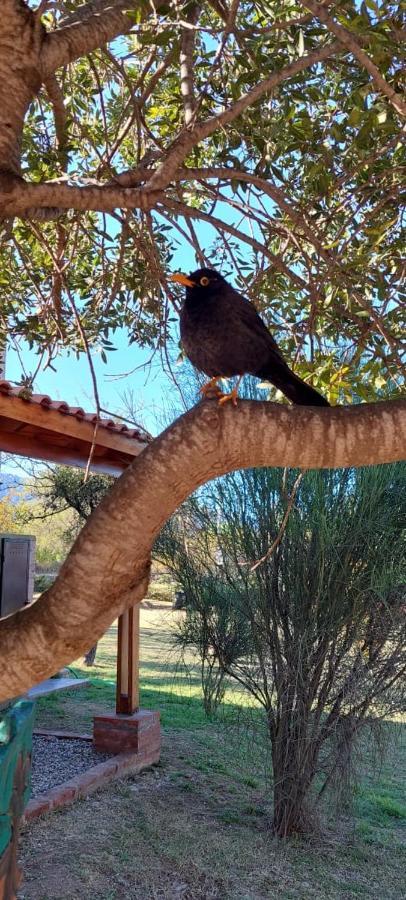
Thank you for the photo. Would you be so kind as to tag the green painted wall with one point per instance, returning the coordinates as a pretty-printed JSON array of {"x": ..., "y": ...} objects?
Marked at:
[{"x": 16, "y": 724}]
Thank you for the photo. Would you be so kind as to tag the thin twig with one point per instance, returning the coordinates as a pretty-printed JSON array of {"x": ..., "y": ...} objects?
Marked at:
[
  {"x": 282, "y": 529},
  {"x": 187, "y": 66}
]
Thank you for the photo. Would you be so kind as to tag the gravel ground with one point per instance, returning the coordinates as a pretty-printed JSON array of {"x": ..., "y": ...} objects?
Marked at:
[{"x": 55, "y": 760}]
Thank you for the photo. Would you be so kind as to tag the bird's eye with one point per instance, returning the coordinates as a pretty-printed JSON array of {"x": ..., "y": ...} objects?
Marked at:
[{"x": 204, "y": 281}]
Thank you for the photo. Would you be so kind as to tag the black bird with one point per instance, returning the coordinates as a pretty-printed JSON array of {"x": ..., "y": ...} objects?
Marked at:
[{"x": 223, "y": 336}]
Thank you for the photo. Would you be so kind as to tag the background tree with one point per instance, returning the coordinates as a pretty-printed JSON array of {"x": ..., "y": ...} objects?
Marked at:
[
  {"x": 266, "y": 136},
  {"x": 7, "y": 515},
  {"x": 296, "y": 591},
  {"x": 22, "y": 512},
  {"x": 64, "y": 487}
]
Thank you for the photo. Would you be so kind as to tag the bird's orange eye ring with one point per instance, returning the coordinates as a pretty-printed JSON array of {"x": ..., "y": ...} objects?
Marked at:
[{"x": 204, "y": 281}]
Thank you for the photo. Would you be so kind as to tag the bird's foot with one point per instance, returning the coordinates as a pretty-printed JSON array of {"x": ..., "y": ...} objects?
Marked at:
[
  {"x": 211, "y": 387},
  {"x": 233, "y": 396}
]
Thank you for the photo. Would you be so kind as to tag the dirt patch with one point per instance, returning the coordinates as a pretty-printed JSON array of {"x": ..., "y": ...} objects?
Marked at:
[
  {"x": 197, "y": 826},
  {"x": 192, "y": 830}
]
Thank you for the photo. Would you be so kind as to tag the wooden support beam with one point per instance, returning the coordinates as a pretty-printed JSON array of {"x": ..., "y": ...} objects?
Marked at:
[
  {"x": 110, "y": 463},
  {"x": 127, "y": 695}
]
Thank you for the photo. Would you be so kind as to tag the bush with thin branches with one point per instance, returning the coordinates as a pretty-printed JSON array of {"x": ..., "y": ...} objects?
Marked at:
[{"x": 315, "y": 632}]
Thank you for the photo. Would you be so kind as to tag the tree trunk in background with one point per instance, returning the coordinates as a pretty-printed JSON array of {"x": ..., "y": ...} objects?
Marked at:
[
  {"x": 290, "y": 815},
  {"x": 90, "y": 656},
  {"x": 293, "y": 763}
]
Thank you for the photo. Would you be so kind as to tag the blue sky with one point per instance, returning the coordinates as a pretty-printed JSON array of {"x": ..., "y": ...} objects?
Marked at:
[{"x": 72, "y": 381}]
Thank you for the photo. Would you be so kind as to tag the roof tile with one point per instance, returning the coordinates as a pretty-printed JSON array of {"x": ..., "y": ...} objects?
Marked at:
[{"x": 62, "y": 407}]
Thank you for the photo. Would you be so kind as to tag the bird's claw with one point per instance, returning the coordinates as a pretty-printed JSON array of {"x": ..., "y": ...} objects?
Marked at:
[
  {"x": 211, "y": 388},
  {"x": 233, "y": 396}
]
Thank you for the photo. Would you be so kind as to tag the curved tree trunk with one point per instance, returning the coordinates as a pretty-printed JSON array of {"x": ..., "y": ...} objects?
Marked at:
[{"x": 108, "y": 567}]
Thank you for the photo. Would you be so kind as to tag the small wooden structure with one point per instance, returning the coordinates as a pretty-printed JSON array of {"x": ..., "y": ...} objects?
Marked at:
[{"x": 33, "y": 425}]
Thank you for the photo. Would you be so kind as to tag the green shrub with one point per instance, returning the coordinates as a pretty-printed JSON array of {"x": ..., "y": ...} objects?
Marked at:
[{"x": 43, "y": 582}]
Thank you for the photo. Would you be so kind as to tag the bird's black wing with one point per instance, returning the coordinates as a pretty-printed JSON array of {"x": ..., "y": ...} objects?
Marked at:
[
  {"x": 269, "y": 363},
  {"x": 252, "y": 326}
]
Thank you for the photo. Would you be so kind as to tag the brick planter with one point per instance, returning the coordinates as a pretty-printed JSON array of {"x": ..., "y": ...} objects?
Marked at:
[
  {"x": 81, "y": 786},
  {"x": 135, "y": 742}
]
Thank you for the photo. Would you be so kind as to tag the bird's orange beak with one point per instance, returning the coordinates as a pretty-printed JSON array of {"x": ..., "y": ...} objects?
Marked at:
[{"x": 181, "y": 279}]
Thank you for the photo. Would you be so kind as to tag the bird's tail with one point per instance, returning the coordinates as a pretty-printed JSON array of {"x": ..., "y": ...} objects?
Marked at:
[{"x": 296, "y": 390}]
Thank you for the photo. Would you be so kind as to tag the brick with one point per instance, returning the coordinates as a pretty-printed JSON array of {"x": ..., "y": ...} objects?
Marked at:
[
  {"x": 95, "y": 778},
  {"x": 63, "y": 795},
  {"x": 37, "y": 807}
]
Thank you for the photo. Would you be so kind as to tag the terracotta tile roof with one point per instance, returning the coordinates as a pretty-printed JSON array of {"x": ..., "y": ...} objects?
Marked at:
[{"x": 77, "y": 412}]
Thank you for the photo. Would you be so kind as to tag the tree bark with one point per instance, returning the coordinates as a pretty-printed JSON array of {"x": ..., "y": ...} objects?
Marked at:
[
  {"x": 108, "y": 567},
  {"x": 29, "y": 56},
  {"x": 21, "y": 38},
  {"x": 91, "y": 26},
  {"x": 294, "y": 756},
  {"x": 290, "y": 815}
]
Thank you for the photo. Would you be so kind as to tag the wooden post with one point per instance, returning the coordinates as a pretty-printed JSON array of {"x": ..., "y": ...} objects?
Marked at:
[{"x": 127, "y": 696}]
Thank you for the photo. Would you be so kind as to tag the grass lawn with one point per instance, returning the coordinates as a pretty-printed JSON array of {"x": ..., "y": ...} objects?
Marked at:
[{"x": 197, "y": 826}]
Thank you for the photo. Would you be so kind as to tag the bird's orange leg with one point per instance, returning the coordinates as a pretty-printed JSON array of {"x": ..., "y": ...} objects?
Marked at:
[
  {"x": 233, "y": 395},
  {"x": 211, "y": 387}
]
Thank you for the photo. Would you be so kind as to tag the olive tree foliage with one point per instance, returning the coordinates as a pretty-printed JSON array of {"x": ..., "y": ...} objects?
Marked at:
[
  {"x": 267, "y": 136},
  {"x": 296, "y": 591}
]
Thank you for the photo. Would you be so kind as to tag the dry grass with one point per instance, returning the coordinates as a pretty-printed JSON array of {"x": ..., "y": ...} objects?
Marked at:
[{"x": 197, "y": 826}]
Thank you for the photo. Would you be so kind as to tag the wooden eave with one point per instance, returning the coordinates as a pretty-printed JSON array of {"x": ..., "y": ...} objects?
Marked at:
[{"x": 28, "y": 428}]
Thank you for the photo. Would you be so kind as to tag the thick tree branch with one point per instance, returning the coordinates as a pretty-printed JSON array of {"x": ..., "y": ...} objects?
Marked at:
[
  {"x": 21, "y": 37},
  {"x": 92, "y": 25},
  {"x": 104, "y": 574},
  {"x": 348, "y": 40},
  {"x": 21, "y": 199}
]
